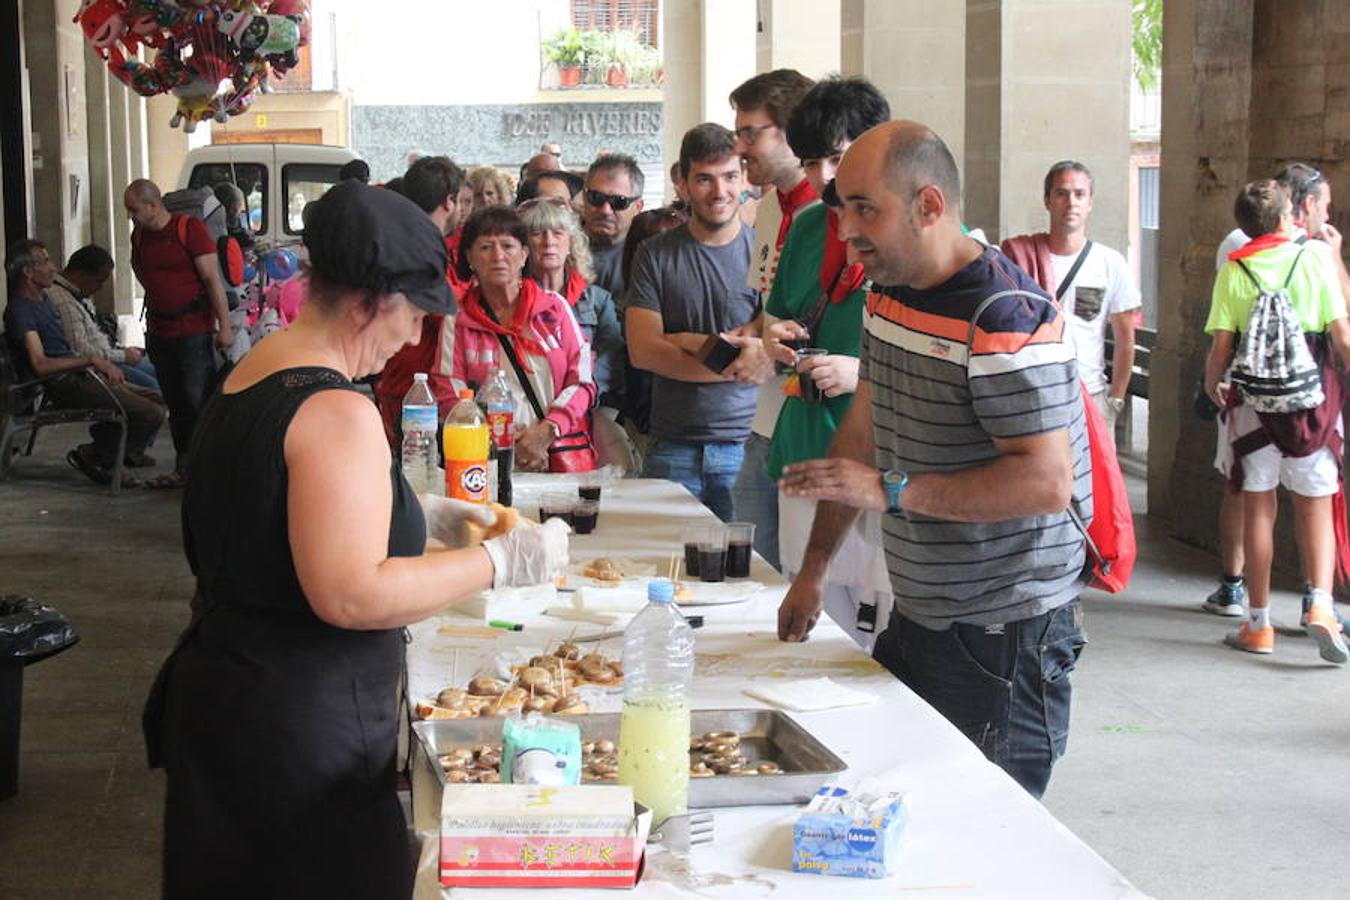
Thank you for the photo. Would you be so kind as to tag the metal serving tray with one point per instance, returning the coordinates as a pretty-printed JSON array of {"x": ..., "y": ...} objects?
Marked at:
[{"x": 766, "y": 735}]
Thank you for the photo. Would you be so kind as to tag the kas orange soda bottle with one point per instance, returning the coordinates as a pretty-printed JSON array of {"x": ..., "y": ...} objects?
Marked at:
[{"x": 466, "y": 451}]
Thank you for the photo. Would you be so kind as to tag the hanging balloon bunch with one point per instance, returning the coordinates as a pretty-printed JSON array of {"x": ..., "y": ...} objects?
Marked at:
[{"x": 213, "y": 55}]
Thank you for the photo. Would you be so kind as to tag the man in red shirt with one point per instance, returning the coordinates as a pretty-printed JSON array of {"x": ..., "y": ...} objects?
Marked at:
[
  {"x": 175, "y": 260},
  {"x": 433, "y": 183}
]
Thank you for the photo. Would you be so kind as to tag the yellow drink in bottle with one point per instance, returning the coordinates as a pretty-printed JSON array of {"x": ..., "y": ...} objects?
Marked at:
[
  {"x": 654, "y": 753},
  {"x": 466, "y": 451}
]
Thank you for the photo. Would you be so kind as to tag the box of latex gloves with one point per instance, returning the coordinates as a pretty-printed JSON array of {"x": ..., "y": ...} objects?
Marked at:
[{"x": 857, "y": 835}]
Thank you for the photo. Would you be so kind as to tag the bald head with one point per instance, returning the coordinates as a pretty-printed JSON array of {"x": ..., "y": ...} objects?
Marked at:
[
  {"x": 143, "y": 190},
  {"x": 900, "y": 191},
  {"x": 915, "y": 157},
  {"x": 542, "y": 162},
  {"x": 145, "y": 204}
]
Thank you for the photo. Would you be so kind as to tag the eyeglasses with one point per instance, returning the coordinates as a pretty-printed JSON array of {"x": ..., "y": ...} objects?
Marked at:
[
  {"x": 749, "y": 133},
  {"x": 617, "y": 202},
  {"x": 527, "y": 205}
]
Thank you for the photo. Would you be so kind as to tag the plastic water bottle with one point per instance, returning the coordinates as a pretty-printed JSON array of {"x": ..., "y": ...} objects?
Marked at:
[
  {"x": 496, "y": 398},
  {"x": 658, "y": 666},
  {"x": 466, "y": 451},
  {"x": 419, "y": 435}
]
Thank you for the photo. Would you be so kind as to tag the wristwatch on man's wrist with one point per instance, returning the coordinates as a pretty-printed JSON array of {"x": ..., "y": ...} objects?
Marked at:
[
  {"x": 894, "y": 482},
  {"x": 1116, "y": 404}
]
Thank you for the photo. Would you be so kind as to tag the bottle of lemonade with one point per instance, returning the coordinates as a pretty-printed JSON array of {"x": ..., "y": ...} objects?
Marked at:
[
  {"x": 658, "y": 665},
  {"x": 466, "y": 451}
]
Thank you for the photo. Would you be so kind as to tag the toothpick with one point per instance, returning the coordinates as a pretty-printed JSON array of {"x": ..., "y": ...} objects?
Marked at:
[{"x": 454, "y": 667}]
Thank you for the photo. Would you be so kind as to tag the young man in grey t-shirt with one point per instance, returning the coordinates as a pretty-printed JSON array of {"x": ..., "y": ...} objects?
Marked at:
[{"x": 687, "y": 284}]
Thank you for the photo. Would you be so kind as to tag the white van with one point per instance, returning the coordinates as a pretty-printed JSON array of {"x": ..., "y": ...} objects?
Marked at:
[{"x": 277, "y": 181}]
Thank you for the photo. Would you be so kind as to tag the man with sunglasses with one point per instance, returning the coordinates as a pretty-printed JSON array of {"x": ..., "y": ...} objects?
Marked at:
[
  {"x": 1310, "y": 197},
  {"x": 611, "y": 198},
  {"x": 763, "y": 105}
]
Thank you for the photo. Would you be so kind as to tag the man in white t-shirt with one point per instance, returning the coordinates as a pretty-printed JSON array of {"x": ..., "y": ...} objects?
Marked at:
[{"x": 1091, "y": 282}]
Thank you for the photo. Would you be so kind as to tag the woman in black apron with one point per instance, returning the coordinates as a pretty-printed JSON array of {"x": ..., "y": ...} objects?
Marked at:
[{"x": 276, "y": 716}]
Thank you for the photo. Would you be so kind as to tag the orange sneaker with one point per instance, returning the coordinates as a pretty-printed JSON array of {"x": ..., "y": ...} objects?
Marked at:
[
  {"x": 1323, "y": 628},
  {"x": 1253, "y": 641}
]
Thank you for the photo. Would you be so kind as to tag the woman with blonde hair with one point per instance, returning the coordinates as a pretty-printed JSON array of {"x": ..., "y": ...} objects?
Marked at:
[
  {"x": 560, "y": 261},
  {"x": 491, "y": 187}
]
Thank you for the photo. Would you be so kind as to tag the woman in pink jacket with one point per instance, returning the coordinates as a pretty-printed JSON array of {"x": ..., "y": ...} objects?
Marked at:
[{"x": 508, "y": 320}]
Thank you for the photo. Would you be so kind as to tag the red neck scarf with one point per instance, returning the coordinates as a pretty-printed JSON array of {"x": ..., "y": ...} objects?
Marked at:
[
  {"x": 476, "y": 309},
  {"x": 789, "y": 203},
  {"x": 838, "y": 277},
  {"x": 1256, "y": 245},
  {"x": 575, "y": 285}
]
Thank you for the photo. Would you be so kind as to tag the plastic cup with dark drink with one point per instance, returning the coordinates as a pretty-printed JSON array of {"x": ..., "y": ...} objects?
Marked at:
[
  {"x": 810, "y": 392},
  {"x": 589, "y": 492},
  {"x": 712, "y": 554},
  {"x": 692, "y": 538},
  {"x": 556, "y": 506},
  {"x": 584, "y": 515},
  {"x": 740, "y": 541}
]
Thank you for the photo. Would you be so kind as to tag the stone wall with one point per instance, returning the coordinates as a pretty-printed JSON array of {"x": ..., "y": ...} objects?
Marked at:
[{"x": 507, "y": 136}]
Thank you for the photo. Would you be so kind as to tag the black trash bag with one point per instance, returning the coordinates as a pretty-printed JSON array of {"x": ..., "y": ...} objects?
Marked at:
[{"x": 30, "y": 631}]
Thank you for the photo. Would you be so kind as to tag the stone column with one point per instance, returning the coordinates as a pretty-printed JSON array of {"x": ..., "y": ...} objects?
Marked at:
[
  {"x": 915, "y": 52},
  {"x": 1045, "y": 82},
  {"x": 55, "y": 53},
  {"x": 801, "y": 36},
  {"x": 120, "y": 174},
  {"x": 104, "y": 205},
  {"x": 1248, "y": 86},
  {"x": 165, "y": 148},
  {"x": 709, "y": 48}
]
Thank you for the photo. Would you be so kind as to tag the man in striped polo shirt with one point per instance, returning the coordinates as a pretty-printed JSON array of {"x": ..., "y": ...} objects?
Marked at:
[{"x": 974, "y": 454}]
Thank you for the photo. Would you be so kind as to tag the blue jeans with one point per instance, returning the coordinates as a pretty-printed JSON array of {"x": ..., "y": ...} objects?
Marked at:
[
  {"x": 186, "y": 367},
  {"x": 1005, "y": 687},
  {"x": 706, "y": 470},
  {"x": 756, "y": 496},
  {"x": 142, "y": 374}
]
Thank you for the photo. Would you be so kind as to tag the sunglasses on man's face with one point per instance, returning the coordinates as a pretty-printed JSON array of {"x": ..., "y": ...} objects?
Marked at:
[{"x": 617, "y": 202}]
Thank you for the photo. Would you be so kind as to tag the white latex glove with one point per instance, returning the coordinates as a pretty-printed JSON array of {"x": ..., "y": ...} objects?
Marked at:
[
  {"x": 530, "y": 554},
  {"x": 448, "y": 519}
]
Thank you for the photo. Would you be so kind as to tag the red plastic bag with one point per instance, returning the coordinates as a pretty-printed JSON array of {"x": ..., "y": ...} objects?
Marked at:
[{"x": 1110, "y": 538}]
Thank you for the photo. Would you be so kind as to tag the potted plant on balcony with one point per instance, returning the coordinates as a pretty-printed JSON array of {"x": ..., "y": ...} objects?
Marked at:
[
  {"x": 644, "y": 66},
  {"x": 567, "y": 50},
  {"x": 626, "y": 54}
]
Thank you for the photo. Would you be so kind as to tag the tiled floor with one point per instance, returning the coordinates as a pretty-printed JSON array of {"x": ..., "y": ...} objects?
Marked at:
[{"x": 1198, "y": 771}]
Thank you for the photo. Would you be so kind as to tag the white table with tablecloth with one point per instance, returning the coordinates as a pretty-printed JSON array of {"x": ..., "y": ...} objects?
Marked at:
[{"x": 973, "y": 832}]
